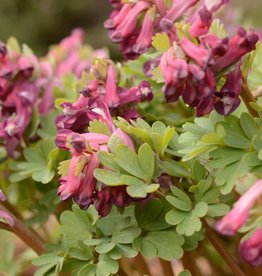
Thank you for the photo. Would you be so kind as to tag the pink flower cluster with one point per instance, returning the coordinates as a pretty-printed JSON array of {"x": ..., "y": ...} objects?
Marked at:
[
  {"x": 100, "y": 99},
  {"x": 27, "y": 82},
  {"x": 191, "y": 66},
  {"x": 18, "y": 95},
  {"x": 103, "y": 88},
  {"x": 250, "y": 249}
]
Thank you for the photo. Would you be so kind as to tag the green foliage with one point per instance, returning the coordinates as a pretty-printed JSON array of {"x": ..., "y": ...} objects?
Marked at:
[
  {"x": 40, "y": 163},
  {"x": 158, "y": 136},
  {"x": 186, "y": 214},
  {"x": 136, "y": 171},
  {"x": 48, "y": 128},
  {"x": 217, "y": 28},
  {"x": 228, "y": 147},
  {"x": 161, "y": 42},
  {"x": 96, "y": 126}
]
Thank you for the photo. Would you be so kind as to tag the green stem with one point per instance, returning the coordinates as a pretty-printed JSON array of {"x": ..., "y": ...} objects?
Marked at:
[
  {"x": 248, "y": 98},
  {"x": 222, "y": 251},
  {"x": 26, "y": 234}
]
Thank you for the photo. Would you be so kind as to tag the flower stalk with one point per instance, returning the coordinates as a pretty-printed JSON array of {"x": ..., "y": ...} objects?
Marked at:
[{"x": 221, "y": 250}]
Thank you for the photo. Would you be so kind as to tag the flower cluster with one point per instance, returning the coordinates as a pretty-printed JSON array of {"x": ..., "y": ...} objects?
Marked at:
[
  {"x": 250, "y": 249},
  {"x": 18, "y": 95},
  {"x": 194, "y": 61},
  {"x": 71, "y": 55},
  {"x": 190, "y": 70},
  {"x": 27, "y": 82},
  {"x": 98, "y": 100},
  {"x": 102, "y": 87}
]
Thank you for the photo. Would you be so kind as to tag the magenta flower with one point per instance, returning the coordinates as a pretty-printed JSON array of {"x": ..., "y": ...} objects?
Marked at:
[
  {"x": 201, "y": 24},
  {"x": 238, "y": 46},
  {"x": 229, "y": 94},
  {"x": 251, "y": 249},
  {"x": 178, "y": 8},
  {"x": 111, "y": 97},
  {"x": 237, "y": 217},
  {"x": 128, "y": 24},
  {"x": 143, "y": 41},
  {"x": 201, "y": 55}
]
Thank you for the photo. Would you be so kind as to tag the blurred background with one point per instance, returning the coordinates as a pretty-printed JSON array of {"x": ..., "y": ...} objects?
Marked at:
[{"x": 41, "y": 23}]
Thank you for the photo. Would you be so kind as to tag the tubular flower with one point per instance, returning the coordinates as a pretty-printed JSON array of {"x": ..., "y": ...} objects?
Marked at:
[
  {"x": 18, "y": 95},
  {"x": 79, "y": 183},
  {"x": 133, "y": 24},
  {"x": 251, "y": 249},
  {"x": 194, "y": 61},
  {"x": 195, "y": 80},
  {"x": 100, "y": 95},
  {"x": 65, "y": 58},
  {"x": 238, "y": 216}
]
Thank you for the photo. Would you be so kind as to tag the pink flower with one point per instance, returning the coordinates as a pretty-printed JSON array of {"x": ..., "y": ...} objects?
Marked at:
[
  {"x": 202, "y": 22},
  {"x": 128, "y": 24},
  {"x": 237, "y": 217},
  {"x": 178, "y": 8},
  {"x": 238, "y": 46},
  {"x": 111, "y": 97},
  {"x": 251, "y": 249},
  {"x": 143, "y": 42},
  {"x": 198, "y": 53}
]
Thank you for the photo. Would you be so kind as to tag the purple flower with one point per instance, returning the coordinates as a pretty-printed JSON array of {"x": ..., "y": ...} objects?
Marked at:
[
  {"x": 142, "y": 92},
  {"x": 128, "y": 24},
  {"x": 143, "y": 41},
  {"x": 229, "y": 94},
  {"x": 251, "y": 249},
  {"x": 237, "y": 217},
  {"x": 178, "y": 8},
  {"x": 238, "y": 46},
  {"x": 202, "y": 22},
  {"x": 197, "y": 52}
]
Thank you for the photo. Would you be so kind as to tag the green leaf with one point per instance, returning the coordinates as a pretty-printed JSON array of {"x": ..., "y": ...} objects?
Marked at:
[
  {"x": 157, "y": 75},
  {"x": 108, "y": 177},
  {"x": 183, "y": 197},
  {"x": 217, "y": 210},
  {"x": 48, "y": 127},
  {"x": 147, "y": 160},
  {"x": 174, "y": 217},
  {"x": 174, "y": 168},
  {"x": 96, "y": 126},
  {"x": 127, "y": 235},
  {"x": 189, "y": 225},
  {"x": 106, "y": 266},
  {"x": 130, "y": 164},
  {"x": 161, "y": 241},
  {"x": 141, "y": 191},
  {"x": 161, "y": 42},
  {"x": 75, "y": 225},
  {"x": 201, "y": 209},
  {"x": 151, "y": 217},
  {"x": 248, "y": 125},
  {"x": 108, "y": 160},
  {"x": 217, "y": 28},
  {"x": 104, "y": 247}
]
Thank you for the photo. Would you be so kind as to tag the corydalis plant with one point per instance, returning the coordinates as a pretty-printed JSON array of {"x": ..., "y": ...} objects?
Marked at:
[
  {"x": 28, "y": 82},
  {"x": 191, "y": 56}
]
